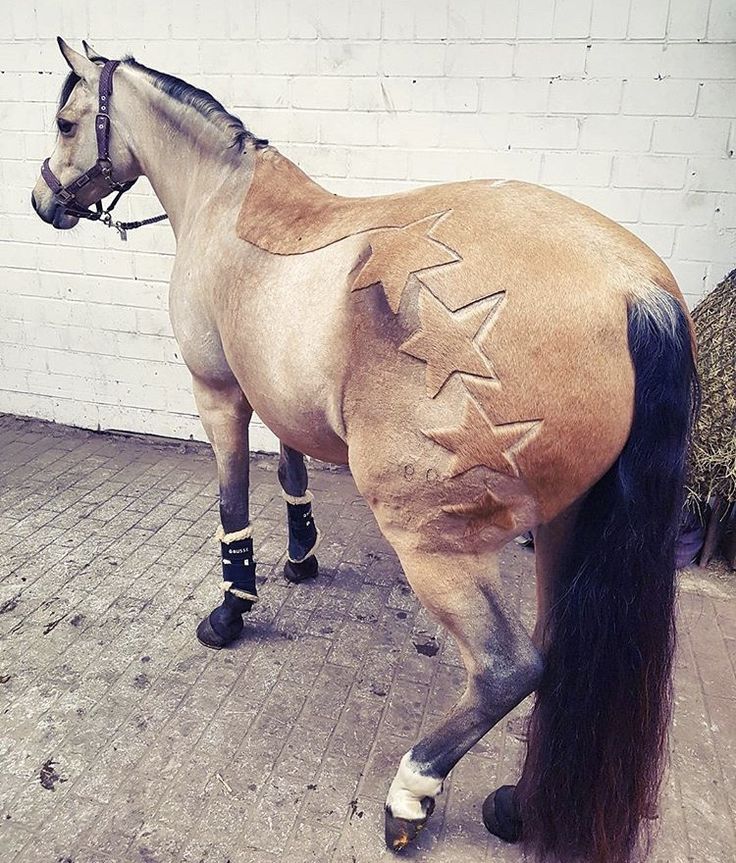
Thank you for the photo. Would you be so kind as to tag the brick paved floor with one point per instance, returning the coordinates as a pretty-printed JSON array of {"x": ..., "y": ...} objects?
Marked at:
[{"x": 122, "y": 739}]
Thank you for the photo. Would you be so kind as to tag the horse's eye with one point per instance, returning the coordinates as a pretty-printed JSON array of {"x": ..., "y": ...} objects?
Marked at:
[{"x": 65, "y": 126}]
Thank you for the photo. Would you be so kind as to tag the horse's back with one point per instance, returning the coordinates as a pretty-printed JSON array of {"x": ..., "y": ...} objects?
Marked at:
[{"x": 286, "y": 213}]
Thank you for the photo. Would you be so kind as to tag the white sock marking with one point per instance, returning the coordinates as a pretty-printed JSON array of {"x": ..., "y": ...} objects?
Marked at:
[{"x": 409, "y": 788}]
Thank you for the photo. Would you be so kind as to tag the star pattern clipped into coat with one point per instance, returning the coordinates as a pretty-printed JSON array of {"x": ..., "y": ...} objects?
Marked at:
[
  {"x": 397, "y": 253},
  {"x": 447, "y": 342},
  {"x": 476, "y": 441}
]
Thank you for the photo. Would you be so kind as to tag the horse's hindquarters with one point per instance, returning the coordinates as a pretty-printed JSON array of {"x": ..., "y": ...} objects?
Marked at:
[{"x": 494, "y": 452}]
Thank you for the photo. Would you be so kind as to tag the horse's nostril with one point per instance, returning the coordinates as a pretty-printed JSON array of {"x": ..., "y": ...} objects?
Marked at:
[{"x": 33, "y": 202}]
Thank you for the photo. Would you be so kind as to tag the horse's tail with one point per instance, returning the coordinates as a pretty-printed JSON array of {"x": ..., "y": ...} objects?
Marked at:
[{"x": 599, "y": 730}]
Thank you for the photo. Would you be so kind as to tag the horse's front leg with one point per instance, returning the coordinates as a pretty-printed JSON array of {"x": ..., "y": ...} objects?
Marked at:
[
  {"x": 225, "y": 415},
  {"x": 304, "y": 537}
]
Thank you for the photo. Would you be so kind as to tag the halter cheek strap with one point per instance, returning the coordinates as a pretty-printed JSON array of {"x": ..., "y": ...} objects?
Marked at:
[{"x": 66, "y": 196}]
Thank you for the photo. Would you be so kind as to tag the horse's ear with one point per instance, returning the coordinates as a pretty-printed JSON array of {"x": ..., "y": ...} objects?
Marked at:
[
  {"x": 78, "y": 63},
  {"x": 93, "y": 55}
]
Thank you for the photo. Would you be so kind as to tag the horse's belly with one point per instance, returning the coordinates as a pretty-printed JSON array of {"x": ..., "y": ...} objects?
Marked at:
[{"x": 303, "y": 424}]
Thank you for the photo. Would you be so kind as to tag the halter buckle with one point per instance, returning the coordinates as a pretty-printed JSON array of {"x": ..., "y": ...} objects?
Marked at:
[
  {"x": 80, "y": 182},
  {"x": 64, "y": 197}
]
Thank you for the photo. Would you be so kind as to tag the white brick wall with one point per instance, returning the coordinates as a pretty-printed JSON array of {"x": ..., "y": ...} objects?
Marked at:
[{"x": 627, "y": 106}]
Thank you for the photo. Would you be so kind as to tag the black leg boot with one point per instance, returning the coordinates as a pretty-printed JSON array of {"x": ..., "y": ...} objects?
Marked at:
[
  {"x": 223, "y": 625},
  {"x": 303, "y": 538}
]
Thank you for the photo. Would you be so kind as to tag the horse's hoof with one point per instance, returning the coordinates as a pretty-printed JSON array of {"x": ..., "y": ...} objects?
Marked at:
[
  {"x": 501, "y": 814},
  {"x": 296, "y": 572},
  {"x": 219, "y": 628},
  {"x": 400, "y": 832}
]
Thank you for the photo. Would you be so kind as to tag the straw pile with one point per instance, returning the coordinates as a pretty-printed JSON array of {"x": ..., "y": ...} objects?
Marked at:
[{"x": 713, "y": 455}]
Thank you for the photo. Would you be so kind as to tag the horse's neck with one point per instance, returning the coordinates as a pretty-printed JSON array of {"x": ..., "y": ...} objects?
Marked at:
[{"x": 185, "y": 159}]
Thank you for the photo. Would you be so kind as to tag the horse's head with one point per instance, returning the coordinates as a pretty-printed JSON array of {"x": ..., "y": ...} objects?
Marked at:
[{"x": 79, "y": 173}]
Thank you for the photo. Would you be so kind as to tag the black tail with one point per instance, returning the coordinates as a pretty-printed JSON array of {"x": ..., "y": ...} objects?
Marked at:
[{"x": 599, "y": 730}]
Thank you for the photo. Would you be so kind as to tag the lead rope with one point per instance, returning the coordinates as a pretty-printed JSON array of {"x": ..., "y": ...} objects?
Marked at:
[
  {"x": 105, "y": 215},
  {"x": 123, "y": 227}
]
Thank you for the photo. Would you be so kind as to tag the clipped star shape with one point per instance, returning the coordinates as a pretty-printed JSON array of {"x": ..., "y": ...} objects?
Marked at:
[
  {"x": 444, "y": 340},
  {"x": 477, "y": 442},
  {"x": 483, "y": 510},
  {"x": 399, "y": 252}
]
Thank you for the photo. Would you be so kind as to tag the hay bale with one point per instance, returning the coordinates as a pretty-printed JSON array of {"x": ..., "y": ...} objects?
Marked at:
[{"x": 712, "y": 469}]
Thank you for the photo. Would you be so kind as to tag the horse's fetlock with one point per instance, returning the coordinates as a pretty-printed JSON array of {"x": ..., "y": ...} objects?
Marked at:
[
  {"x": 412, "y": 790},
  {"x": 234, "y": 605},
  {"x": 532, "y": 669}
]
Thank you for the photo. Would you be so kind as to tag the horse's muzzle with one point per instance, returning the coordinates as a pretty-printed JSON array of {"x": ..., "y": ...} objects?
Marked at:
[{"x": 55, "y": 216}]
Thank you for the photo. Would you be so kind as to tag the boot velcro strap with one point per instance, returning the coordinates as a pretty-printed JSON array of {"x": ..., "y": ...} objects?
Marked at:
[
  {"x": 239, "y": 568},
  {"x": 228, "y": 587}
]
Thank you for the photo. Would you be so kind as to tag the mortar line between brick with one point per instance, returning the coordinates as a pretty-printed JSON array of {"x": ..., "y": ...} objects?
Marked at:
[
  {"x": 76, "y": 782},
  {"x": 81, "y": 631},
  {"x": 52, "y": 571},
  {"x": 60, "y": 744},
  {"x": 182, "y": 648},
  {"x": 731, "y": 660},
  {"x": 113, "y": 539}
]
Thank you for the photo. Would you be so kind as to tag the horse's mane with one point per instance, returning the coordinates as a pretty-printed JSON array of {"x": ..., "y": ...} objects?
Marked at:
[{"x": 203, "y": 102}]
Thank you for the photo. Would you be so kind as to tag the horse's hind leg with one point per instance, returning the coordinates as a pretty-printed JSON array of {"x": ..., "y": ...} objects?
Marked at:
[
  {"x": 464, "y": 592},
  {"x": 304, "y": 537},
  {"x": 501, "y": 814},
  {"x": 225, "y": 415}
]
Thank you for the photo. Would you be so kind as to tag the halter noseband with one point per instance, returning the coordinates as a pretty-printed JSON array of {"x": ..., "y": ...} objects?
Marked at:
[{"x": 66, "y": 196}]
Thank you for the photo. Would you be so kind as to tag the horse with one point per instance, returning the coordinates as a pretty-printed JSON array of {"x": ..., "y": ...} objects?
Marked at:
[{"x": 489, "y": 357}]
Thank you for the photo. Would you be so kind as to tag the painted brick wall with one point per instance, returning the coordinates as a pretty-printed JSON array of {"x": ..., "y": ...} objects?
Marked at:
[{"x": 627, "y": 106}]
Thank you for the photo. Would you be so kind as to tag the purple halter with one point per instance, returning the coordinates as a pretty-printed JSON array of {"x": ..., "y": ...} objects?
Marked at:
[{"x": 66, "y": 196}]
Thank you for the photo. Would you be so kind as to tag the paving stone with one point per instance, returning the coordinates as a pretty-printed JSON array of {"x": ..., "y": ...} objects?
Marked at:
[{"x": 281, "y": 749}]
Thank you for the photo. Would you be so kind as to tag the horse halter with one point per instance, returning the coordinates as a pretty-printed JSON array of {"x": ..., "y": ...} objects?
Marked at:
[{"x": 66, "y": 196}]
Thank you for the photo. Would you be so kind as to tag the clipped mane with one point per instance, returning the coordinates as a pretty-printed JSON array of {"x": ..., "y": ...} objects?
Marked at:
[
  {"x": 200, "y": 100},
  {"x": 203, "y": 103}
]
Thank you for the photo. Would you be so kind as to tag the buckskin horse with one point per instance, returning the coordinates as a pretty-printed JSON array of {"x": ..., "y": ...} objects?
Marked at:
[{"x": 488, "y": 357}]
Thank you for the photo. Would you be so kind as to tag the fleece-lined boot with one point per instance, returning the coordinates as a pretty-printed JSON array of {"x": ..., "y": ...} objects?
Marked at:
[
  {"x": 304, "y": 537},
  {"x": 225, "y": 623}
]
